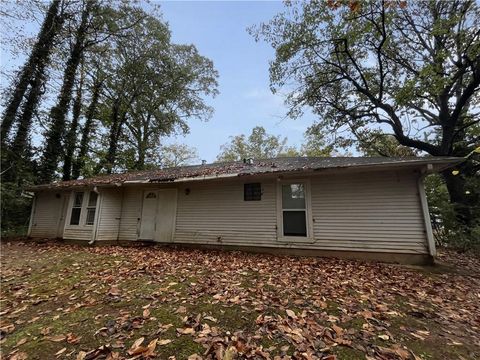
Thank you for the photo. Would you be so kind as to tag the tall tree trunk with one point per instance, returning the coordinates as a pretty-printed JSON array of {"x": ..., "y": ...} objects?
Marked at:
[
  {"x": 115, "y": 131},
  {"x": 53, "y": 143},
  {"x": 71, "y": 138},
  {"x": 79, "y": 163},
  {"x": 461, "y": 203},
  {"x": 19, "y": 152},
  {"x": 38, "y": 59}
]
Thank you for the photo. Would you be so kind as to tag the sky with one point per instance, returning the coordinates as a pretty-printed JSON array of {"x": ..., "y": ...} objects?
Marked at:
[{"x": 219, "y": 30}]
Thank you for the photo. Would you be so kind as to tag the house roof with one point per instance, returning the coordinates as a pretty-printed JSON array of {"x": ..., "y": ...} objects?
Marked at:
[{"x": 241, "y": 168}]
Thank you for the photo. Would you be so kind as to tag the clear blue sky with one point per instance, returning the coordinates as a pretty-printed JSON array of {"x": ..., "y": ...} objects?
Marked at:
[{"x": 219, "y": 30}]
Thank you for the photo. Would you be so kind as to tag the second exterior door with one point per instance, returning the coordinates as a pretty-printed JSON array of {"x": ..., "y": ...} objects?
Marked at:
[{"x": 158, "y": 215}]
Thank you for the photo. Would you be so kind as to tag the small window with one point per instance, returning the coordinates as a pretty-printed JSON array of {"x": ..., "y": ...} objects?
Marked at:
[
  {"x": 92, "y": 205},
  {"x": 76, "y": 208},
  {"x": 252, "y": 192}
]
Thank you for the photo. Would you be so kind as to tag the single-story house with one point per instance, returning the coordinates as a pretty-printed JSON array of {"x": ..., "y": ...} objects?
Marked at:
[{"x": 362, "y": 207}]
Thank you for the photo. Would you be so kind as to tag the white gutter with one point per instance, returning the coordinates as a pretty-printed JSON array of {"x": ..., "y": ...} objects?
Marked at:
[
  {"x": 98, "y": 214},
  {"x": 187, "y": 179}
]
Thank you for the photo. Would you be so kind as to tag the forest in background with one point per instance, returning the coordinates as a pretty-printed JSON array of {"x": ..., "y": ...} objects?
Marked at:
[{"x": 103, "y": 83}]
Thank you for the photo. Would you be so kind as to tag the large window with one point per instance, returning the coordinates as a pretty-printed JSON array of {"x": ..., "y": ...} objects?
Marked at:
[
  {"x": 76, "y": 208},
  {"x": 83, "y": 209},
  {"x": 294, "y": 211},
  {"x": 92, "y": 205}
]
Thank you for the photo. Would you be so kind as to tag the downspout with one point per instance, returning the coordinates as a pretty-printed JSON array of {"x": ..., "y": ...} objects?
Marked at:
[
  {"x": 426, "y": 214},
  {"x": 32, "y": 214},
  {"x": 97, "y": 215}
]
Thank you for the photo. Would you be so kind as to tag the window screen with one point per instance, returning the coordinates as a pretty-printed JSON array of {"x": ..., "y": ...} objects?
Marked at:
[
  {"x": 252, "y": 192},
  {"x": 76, "y": 209}
]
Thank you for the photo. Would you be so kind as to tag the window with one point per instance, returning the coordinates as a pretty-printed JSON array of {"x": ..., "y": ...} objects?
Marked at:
[
  {"x": 151, "y": 195},
  {"x": 252, "y": 192},
  {"x": 76, "y": 208},
  {"x": 92, "y": 205},
  {"x": 294, "y": 213}
]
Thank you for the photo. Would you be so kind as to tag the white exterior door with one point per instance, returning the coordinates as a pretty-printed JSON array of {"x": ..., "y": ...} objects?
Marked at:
[
  {"x": 167, "y": 209},
  {"x": 149, "y": 215},
  {"x": 158, "y": 215},
  {"x": 63, "y": 214}
]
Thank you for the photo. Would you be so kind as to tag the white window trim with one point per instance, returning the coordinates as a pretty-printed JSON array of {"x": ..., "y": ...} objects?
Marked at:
[
  {"x": 83, "y": 215},
  {"x": 308, "y": 208}
]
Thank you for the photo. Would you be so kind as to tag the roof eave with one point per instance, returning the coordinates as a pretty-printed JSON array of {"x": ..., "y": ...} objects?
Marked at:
[{"x": 438, "y": 164}]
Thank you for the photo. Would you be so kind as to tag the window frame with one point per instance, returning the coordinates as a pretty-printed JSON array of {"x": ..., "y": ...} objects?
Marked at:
[
  {"x": 88, "y": 207},
  {"x": 84, "y": 209},
  {"x": 74, "y": 206},
  {"x": 308, "y": 212}
]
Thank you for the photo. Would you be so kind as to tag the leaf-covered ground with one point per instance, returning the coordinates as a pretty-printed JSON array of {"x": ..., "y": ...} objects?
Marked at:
[{"x": 73, "y": 302}]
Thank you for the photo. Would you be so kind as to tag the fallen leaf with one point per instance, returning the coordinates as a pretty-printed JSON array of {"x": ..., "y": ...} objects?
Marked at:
[
  {"x": 21, "y": 342},
  {"x": 134, "y": 349},
  {"x": 19, "y": 356},
  {"x": 291, "y": 314},
  {"x": 150, "y": 348},
  {"x": 56, "y": 338},
  {"x": 114, "y": 291},
  {"x": 181, "y": 310},
  {"x": 73, "y": 339},
  {"x": 186, "y": 331},
  {"x": 164, "y": 342},
  {"x": 146, "y": 313},
  {"x": 60, "y": 352}
]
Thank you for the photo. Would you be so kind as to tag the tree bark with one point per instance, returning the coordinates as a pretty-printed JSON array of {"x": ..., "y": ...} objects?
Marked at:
[
  {"x": 36, "y": 63},
  {"x": 53, "y": 143},
  {"x": 26, "y": 119},
  {"x": 71, "y": 138},
  {"x": 115, "y": 131},
  {"x": 79, "y": 163},
  {"x": 456, "y": 191}
]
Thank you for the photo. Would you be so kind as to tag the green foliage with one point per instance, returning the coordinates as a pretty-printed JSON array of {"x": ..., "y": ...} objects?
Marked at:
[
  {"x": 375, "y": 143},
  {"x": 15, "y": 210},
  {"x": 315, "y": 144},
  {"x": 154, "y": 86},
  {"x": 389, "y": 78},
  {"x": 258, "y": 145},
  {"x": 174, "y": 155},
  {"x": 447, "y": 230}
]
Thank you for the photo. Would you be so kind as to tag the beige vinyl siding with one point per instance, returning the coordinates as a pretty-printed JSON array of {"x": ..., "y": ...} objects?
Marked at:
[
  {"x": 379, "y": 212},
  {"x": 109, "y": 212},
  {"x": 71, "y": 233},
  {"x": 131, "y": 212},
  {"x": 46, "y": 214},
  {"x": 215, "y": 212},
  {"x": 371, "y": 211},
  {"x": 374, "y": 211}
]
